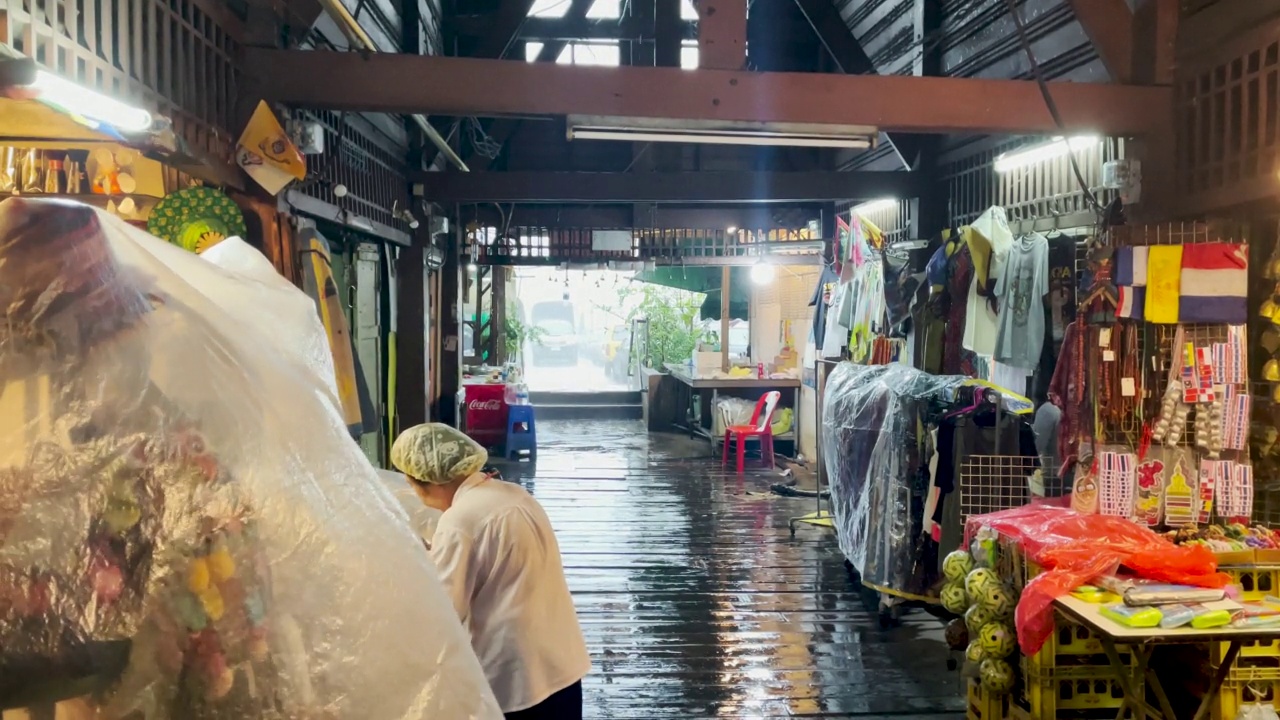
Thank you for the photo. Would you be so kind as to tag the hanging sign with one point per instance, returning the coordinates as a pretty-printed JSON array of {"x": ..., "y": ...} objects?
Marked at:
[{"x": 267, "y": 154}]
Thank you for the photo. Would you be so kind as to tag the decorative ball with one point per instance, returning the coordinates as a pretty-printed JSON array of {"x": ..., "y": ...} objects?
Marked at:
[
  {"x": 956, "y": 565},
  {"x": 998, "y": 600},
  {"x": 974, "y": 653},
  {"x": 978, "y": 580},
  {"x": 954, "y": 598},
  {"x": 957, "y": 635},
  {"x": 975, "y": 617},
  {"x": 211, "y": 601},
  {"x": 997, "y": 675},
  {"x": 221, "y": 566},
  {"x": 220, "y": 684},
  {"x": 998, "y": 641},
  {"x": 198, "y": 576}
]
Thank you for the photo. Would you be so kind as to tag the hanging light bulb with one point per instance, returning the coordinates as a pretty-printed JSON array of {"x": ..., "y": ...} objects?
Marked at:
[{"x": 762, "y": 273}]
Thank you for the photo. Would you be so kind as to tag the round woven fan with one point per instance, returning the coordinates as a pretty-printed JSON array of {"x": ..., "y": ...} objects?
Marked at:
[{"x": 196, "y": 218}]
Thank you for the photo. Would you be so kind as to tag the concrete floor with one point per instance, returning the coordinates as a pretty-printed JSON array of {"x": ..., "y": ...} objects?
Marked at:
[{"x": 697, "y": 603}]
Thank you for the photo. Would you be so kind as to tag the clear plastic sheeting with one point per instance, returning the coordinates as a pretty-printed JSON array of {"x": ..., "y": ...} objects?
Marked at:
[
  {"x": 872, "y": 421},
  {"x": 186, "y": 530},
  {"x": 252, "y": 290}
]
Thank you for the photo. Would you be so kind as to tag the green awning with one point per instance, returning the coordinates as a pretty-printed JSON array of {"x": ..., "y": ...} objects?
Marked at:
[{"x": 706, "y": 279}]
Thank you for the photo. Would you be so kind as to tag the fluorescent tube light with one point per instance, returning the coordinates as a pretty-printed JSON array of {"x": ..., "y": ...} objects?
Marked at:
[
  {"x": 719, "y": 138},
  {"x": 857, "y": 137},
  {"x": 1056, "y": 147},
  {"x": 92, "y": 105},
  {"x": 874, "y": 205}
]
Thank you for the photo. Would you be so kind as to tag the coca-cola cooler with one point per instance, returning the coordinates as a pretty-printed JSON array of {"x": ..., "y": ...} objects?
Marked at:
[{"x": 484, "y": 413}]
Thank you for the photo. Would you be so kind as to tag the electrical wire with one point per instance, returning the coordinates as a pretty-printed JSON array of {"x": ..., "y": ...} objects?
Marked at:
[
  {"x": 1050, "y": 103},
  {"x": 481, "y": 142}
]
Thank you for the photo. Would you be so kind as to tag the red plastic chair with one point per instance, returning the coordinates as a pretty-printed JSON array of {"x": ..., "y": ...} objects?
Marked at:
[{"x": 760, "y": 428}]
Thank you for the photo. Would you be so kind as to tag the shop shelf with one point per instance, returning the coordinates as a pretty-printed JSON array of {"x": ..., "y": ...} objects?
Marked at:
[{"x": 1246, "y": 686}]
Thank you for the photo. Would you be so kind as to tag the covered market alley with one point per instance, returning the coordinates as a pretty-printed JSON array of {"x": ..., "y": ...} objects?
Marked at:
[
  {"x": 825, "y": 333},
  {"x": 696, "y": 602}
]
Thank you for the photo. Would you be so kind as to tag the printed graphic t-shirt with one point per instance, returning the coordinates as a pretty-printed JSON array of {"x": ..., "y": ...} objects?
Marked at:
[{"x": 1021, "y": 289}]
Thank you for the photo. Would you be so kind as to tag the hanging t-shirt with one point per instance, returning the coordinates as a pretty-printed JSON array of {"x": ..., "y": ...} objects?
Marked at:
[
  {"x": 1062, "y": 285},
  {"x": 820, "y": 301},
  {"x": 1021, "y": 289},
  {"x": 989, "y": 239}
]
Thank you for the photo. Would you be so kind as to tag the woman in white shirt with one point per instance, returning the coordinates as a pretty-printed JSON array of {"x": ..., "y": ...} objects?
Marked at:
[{"x": 500, "y": 564}]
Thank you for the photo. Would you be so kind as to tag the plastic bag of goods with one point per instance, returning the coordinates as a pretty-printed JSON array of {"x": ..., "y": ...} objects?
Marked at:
[
  {"x": 186, "y": 530},
  {"x": 1073, "y": 548}
]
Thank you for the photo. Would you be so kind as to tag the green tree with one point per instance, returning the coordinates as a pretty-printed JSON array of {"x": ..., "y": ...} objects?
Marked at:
[{"x": 674, "y": 331}]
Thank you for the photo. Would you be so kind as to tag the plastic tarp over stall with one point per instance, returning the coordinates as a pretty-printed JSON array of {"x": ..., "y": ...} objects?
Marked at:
[
  {"x": 186, "y": 529},
  {"x": 872, "y": 417}
]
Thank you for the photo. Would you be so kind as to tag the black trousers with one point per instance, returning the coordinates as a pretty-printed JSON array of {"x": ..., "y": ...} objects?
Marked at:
[{"x": 563, "y": 705}]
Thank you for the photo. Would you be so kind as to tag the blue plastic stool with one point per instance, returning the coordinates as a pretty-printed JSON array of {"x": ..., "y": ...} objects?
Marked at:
[{"x": 522, "y": 432}]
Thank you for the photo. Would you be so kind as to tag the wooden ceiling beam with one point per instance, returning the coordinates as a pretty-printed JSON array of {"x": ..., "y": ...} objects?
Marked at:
[
  {"x": 398, "y": 83},
  {"x": 569, "y": 28},
  {"x": 664, "y": 187}
]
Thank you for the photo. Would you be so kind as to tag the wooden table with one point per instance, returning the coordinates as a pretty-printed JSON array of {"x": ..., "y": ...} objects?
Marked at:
[
  {"x": 1141, "y": 642},
  {"x": 697, "y": 383}
]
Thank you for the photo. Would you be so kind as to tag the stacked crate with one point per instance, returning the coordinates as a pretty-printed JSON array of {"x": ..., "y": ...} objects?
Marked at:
[{"x": 1071, "y": 676}]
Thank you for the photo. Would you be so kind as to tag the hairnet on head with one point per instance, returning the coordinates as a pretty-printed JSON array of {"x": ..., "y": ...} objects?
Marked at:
[{"x": 437, "y": 454}]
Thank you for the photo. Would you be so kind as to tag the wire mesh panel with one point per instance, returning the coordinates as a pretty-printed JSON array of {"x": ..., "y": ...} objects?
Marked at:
[{"x": 989, "y": 483}]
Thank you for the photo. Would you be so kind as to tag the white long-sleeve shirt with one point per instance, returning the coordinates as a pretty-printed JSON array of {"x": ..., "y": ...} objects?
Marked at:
[{"x": 500, "y": 563}]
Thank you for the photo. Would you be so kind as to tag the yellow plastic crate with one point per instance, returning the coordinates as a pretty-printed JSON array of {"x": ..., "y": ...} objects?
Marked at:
[
  {"x": 1071, "y": 645},
  {"x": 1256, "y": 582},
  {"x": 1245, "y": 686},
  {"x": 986, "y": 706},
  {"x": 1255, "y": 653},
  {"x": 1078, "y": 692}
]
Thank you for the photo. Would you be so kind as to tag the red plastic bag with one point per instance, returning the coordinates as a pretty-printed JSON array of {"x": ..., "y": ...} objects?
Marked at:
[{"x": 1073, "y": 549}]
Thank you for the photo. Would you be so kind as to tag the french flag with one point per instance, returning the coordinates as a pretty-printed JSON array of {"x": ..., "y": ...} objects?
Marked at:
[{"x": 1215, "y": 283}]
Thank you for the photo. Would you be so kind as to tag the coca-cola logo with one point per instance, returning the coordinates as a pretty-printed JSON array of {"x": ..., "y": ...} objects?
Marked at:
[{"x": 484, "y": 405}]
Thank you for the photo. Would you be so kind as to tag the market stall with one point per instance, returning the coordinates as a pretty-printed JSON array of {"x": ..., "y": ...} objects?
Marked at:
[{"x": 1149, "y": 413}]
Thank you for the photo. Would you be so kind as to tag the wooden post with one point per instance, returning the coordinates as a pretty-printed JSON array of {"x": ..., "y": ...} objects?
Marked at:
[
  {"x": 725, "y": 281},
  {"x": 411, "y": 334}
]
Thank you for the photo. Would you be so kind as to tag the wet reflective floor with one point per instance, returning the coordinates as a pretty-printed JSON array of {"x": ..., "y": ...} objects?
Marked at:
[{"x": 697, "y": 603}]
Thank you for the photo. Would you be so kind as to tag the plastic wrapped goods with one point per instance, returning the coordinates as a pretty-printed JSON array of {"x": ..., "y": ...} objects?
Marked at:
[
  {"x": 1073, "y": 549},
  {"x": 186, "y": 529},
  {"x": 871, "y": 422}
]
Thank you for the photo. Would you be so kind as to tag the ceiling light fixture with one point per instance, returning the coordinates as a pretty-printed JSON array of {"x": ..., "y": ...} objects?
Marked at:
[
  {"x": 762, "y": 273},
  {"x": 1055, "y": 148},
  {"x": 637, "y": 129},
  {"x": 82, "y": 101}
]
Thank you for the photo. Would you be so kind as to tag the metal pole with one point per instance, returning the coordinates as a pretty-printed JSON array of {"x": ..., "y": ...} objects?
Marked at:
[
  {"x": 725, "y": 279},
  {"x": 358, "y": 35},
  {"x": 820, "y": 387}
]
